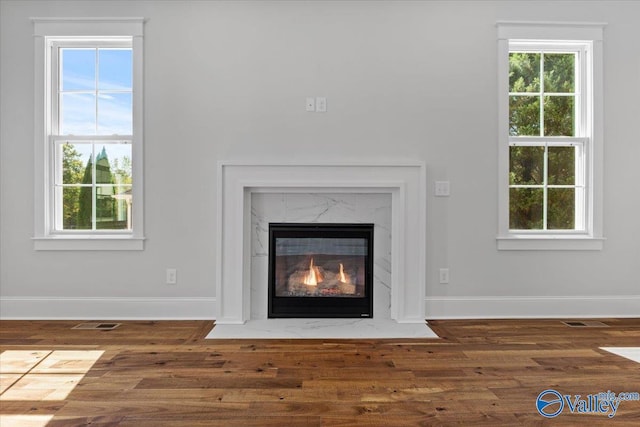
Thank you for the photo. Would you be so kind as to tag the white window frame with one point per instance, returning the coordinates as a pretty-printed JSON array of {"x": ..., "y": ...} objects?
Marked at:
[
  {"x": 50, "y": 32},
  {"x": 586, "y": 39}
]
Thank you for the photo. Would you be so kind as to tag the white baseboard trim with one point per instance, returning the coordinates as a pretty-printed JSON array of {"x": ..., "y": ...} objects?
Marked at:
[
  {"x": 112, "y": 308},
  {"x": 532, "y": 307},
  {"x": 81, "y": 308}
]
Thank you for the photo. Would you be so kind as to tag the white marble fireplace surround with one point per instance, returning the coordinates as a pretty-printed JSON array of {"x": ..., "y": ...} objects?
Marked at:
[
  {"x": 320, "y": 208},
  {"x": 390, "y": 195}
]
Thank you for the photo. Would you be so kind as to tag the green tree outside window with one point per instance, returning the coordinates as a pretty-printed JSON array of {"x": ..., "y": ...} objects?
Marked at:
[{"x": 541, "y": 104}]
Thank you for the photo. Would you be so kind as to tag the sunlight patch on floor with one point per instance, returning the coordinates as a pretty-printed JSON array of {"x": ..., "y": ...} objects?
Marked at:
[
  {"x": 25, "y": 420},
  {"x": 631, "y": 353},
  {"x": 43, "y": 374}
]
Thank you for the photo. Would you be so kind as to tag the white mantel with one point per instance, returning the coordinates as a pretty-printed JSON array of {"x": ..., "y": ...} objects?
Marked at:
[{"x": 404, "y": 181}]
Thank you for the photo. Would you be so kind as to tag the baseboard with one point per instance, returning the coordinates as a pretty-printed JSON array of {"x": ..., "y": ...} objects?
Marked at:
[
  {"x": 532, "y": 307},
  {"x": 51, "y": 308},
  {"x": 35, "y": 308}
]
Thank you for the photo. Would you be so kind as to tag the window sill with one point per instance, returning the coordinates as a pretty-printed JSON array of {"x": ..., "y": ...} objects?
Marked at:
[
  {"x": 549, "y": 243},
  {"x": 107, "y": 242}
]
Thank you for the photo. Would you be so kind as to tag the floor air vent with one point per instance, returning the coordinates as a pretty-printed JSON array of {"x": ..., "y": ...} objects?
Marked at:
[
  {"x": 585, "y": 324},
  {"x": 99, "y": 326}
]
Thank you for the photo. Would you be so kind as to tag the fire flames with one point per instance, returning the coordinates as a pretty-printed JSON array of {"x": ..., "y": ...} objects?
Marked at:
[
  {"x": 315, "y": 276},
  {"x": 343, "y": 277}
]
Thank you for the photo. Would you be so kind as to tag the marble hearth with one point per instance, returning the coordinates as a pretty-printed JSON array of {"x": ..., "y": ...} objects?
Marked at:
[{"x": 392, "y": 196}]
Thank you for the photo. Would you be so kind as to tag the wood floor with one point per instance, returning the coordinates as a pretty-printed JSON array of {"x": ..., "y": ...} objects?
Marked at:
[{"x": 486, "y": 372}]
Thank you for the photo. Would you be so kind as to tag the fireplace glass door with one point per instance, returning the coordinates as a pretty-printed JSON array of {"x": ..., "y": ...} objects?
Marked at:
[{"x": 320, "y": 270}]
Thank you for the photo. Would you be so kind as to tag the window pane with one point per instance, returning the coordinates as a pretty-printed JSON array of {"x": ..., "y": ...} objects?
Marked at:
[
  {"x": 115, "y": 69},
  {"x": 524, "y": 72},
  {"x": 120, "y": 161},
  {"x": 113, "y": 164},
  {"x": 562, "y": 166},
  {"x": 85, "y": 208},
  {"x": 526, "y": 165},
  {"x": 561, "y": 208},
  {"x": 525, "y": 208},
  {"x": 123, "y": 202},
  {"x": 559, "y": 72},
  {"x": 112, "y": 207},
  {"x": 75, "y": 158},
  {"x": 558, "y": 116},
  {"x": 77, "y": 69},
  {"x": 524, "y": 115},
  {"x": 115, "y": 114},
  {"x": 77, "y": 114},
  {"x": 71, "y": 219}
]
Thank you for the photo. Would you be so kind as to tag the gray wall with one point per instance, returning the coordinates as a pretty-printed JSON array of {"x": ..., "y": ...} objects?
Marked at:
[{"x": 403, "y": 80}]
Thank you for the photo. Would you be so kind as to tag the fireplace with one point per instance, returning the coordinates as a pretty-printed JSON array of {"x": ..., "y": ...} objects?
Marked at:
[
  {"x": 242, "y": 276},
  {"x": 320, "y": 270}
]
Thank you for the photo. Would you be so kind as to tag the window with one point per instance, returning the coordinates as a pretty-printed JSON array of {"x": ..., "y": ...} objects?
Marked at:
[
  {"x": 89, "y": 140},
  {"x": 547, "y": 151},
  {"x": 550, "y": 136},
  {"x": 92, "y": 93}
]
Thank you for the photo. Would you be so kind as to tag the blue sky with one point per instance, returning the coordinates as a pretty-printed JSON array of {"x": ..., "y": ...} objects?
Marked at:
[
  {"x": 93, "y": 78},
  {"x": 96, "y": 80}
]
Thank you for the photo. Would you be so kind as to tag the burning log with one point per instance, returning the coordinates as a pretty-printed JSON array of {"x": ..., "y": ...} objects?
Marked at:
[
  {"x": 347, "y": 288},
  {"x": 315, "y": 280}
]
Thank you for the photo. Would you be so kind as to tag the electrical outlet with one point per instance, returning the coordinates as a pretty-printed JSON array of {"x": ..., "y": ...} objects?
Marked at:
[
  {"x": 444, "y": 276},
  {"x": 311, "y": 104},
  {"x": 172, "y": 276}
]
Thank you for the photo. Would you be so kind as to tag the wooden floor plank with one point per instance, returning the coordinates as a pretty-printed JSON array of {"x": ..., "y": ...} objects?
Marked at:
[{"x": 165, "y": 373}]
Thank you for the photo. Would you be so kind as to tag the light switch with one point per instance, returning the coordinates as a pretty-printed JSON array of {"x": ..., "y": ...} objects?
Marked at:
[
  {"x": 321, "y": 105},
  {"x": 442, "y": 189}
]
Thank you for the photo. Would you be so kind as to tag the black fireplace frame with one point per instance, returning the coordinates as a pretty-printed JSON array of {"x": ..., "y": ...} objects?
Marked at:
[{"x": 326, "y": 306}]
